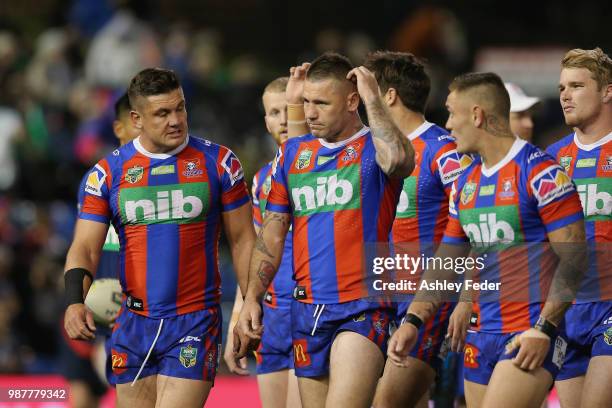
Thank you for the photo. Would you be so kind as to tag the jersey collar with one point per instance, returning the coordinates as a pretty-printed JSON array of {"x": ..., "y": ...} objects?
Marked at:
[
  {"x": 419, "y": 131},
  {"x": 344, "y": 142},
  {"x": 589, "y": 147},
  {"x": 514, "y": 150},
  {"x": 166, "y": 155}
]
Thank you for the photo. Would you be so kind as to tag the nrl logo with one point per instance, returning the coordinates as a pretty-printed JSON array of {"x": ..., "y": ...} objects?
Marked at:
[
  {"x": 188, "y": 356},
  {"x": 134, "y": 174},
  {"x": 566, "y": 162},
  {"x": 303, "y": 160},
  {"x": 467, "y": 193}
]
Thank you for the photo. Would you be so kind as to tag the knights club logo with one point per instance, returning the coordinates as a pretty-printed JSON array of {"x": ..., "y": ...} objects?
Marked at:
[{"x": 192, "y": 168}]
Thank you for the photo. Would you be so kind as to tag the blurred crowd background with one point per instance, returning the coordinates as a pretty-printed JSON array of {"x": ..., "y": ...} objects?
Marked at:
[{"x": 63, "y": 63}]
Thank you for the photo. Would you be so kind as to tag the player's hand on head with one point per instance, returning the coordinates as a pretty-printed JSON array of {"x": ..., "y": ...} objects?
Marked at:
[
  {"x": 401, "y": 343},
  {"x": 367, "y": 86},
  {"x": 533, "y": 347},
  {"x": 295, "y": 86},
  {"x": 79, "y": 322},
  {"x": 458, "y": 325}
]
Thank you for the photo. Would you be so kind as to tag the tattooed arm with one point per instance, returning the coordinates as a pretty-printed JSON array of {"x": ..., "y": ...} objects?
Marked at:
[
  {"x": 267, "y": 253},
  {"x": 394, "y": 152},
  {"x": 569, "y": 244},
  {"x": 265, "y": 259}
]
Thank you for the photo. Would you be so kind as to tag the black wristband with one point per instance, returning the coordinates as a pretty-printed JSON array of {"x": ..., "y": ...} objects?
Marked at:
[
  {"x": 73, "y": 281},
  {"x": 546, "y": 327},
  {"x": 414, "y": 320}
]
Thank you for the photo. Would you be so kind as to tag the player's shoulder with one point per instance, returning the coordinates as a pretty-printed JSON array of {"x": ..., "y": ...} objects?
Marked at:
[
  {"x": 263, "y": 170},
  {"x": 207, "y": 146},
  {"x": 565, "y": 141},
  {"x": 436, "y": 136},
  {"x": 531, "y": 156}
]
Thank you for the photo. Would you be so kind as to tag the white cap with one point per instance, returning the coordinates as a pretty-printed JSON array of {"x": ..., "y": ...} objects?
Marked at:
[{"x": 519, "y": 102}]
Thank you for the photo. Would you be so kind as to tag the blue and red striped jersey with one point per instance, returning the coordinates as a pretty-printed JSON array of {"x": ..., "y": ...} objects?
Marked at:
[
  {"x": 590, "y": 167},
  {"x": 341, "y": 202},
  {"x": 167, "y": 210},
  {"x": 518, "y": 201}
]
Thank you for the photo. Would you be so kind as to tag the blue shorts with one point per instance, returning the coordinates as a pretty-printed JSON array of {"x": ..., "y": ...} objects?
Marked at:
[
  {"x": 275, "y": 351},
  {"x": 314, "y": 328},
  {"x": 484, "y": 350},
  {"x": 431, "y": 334},
  {"x": 184, "y": 346},
  {"x": 589, "y": 334}
]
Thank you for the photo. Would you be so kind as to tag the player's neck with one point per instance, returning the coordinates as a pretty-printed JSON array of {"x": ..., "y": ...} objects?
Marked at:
[
  {"x": 408, "y": 121},
  {"x": 594, "y": 131},
  {"x": 347, "y": 132},
  {"x": 495, "y": 148}
]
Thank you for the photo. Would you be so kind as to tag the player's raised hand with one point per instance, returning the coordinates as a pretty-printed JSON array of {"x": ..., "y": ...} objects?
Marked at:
[
  {"x": 401, "y": 343},
  {"x": 295, "y": 86},
  {"x": 533, "y": 347},
  {"x": 79, "y": 323},
  {"x": 367, "y": 86},
  {"x": 249, "y": 329},
  {"x": 458, "y": 325}
]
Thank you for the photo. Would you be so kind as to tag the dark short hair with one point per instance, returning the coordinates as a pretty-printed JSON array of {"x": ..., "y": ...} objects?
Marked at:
[
  {"x": 122, "y": 106},
  {"x": 491, "y": 90},
  {"x": 329, "y": 65},
  {"x": 405, "y": 73},
  {"x": 152, "y": 81}
]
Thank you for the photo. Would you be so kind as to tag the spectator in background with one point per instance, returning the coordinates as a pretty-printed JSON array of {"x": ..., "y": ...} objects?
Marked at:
[
  {"x": 521, "y": 111},
  {"x": 11, "y": 130}
]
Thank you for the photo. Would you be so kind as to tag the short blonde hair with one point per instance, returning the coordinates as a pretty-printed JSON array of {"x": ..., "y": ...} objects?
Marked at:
[{"x": 596, "y": 61}]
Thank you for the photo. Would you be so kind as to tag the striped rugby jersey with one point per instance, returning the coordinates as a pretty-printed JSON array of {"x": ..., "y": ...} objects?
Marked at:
[
  {"x": 281, "y": 289},
  {"x": 166, "y": 209},
  {"x": 518, "y": 201},
  {"x": 341, "y": 202},
  {"x": 422, "y": 211},
  {"x": 590, "y": 167}
]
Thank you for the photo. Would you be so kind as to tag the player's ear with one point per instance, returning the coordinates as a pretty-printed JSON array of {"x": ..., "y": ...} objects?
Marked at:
[
  {"x": 390, "y": 96},
  {"x": 607, "y": 96},
  {"x": 478, "y": 116},
  {"x": 136, "y": 119},
  {"x": 352, "y": 101}
]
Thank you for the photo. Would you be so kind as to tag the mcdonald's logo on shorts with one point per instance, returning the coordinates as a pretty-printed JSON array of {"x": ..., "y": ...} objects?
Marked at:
[
  {"x": 118, "y": 362},
  {"x": 470, "y": 356},
  {"x": 300, "y": 353}
]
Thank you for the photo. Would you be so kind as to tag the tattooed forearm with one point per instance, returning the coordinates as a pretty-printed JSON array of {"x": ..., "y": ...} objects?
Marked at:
[
  {"x": 394, "y": 152},
  {"x": 260, "y": 244},
  {"x": 266, "y": 273}
]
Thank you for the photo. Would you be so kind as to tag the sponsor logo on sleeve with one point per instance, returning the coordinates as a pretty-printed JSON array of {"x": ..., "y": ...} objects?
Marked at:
[
  {"x": 232, "y": 167},
  {"x": 451, "y": 165},
  {"x": 551, "y": 183},
  {"x": 95, "y": 181}
]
